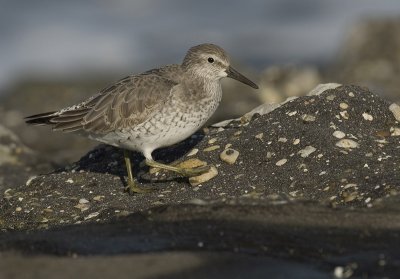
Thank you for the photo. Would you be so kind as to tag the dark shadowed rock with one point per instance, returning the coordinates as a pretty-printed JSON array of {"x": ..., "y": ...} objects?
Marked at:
[
  {"x": 17, "y": 161},
  {"x": 312, "y": 180}
]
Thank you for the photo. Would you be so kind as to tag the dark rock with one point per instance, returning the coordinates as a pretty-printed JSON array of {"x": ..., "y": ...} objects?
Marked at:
[
  {"x": 32, "y": 97},
  {"x": 17, "y": 161},
  {"x": 297, "y": 191}
]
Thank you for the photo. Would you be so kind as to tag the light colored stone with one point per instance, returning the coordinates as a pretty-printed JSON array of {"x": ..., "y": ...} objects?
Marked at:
[
  {"x": 211, "y": 148},
  {"x": 344, "y": 114},
  {"x": 343, "y": 106},
  {"x": 212, "y": 141},
  {"x": 394, "y": 131},
  {"x": 339, "y": 134},
  {"x": 192, "y": 152},
  {"x": 83, "y": 201},
  {"x": 29, "y": 181},
  {"x": 305, "y": 152},
  {"x": 321, "y": 88},
  {"x": 229, "y": 156},
  {"x": 296, "y": 141},
  {"x": 98, "y": 198},
  {"x": 350, "y": 185},
  {"x": 347, "y": 144},
  {"x": 281, "y": 162},
  {"x": 259, "y": 136},
  {"x": 308, "y": 118},
  {"x": 367, "y": 116},
  {"x": 92, "y": 215},
  {"x": 196, "y": 180},
  {"x": 395, "y": 109}
]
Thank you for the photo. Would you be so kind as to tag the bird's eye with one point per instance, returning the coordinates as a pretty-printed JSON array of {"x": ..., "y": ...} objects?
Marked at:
[{"x": 210, "y": 60}]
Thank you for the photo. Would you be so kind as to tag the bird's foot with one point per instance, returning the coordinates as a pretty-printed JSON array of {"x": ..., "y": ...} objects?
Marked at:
[
  {"x": 193, "y": 171},
  {"x": 132, "y": 188}
]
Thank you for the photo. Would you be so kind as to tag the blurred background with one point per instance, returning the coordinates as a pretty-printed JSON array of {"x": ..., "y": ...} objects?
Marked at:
[{"x": 56, "y": 53}]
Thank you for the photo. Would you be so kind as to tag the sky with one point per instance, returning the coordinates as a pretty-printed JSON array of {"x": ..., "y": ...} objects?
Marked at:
[{"x": 51, "y": 38}]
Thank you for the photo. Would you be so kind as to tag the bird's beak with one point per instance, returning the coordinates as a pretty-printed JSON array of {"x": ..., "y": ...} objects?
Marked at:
[{"x": 232, "y": 73}]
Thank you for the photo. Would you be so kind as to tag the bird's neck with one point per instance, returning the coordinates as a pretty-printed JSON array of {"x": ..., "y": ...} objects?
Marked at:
[{"x": 201, "y": 88}]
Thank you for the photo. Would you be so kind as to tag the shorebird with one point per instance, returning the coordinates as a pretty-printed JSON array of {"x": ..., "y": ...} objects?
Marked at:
[{"x": 154, "y": 109}]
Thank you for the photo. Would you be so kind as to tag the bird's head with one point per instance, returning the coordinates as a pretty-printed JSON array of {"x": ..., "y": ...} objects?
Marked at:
[{"x": 211, "y": 62}]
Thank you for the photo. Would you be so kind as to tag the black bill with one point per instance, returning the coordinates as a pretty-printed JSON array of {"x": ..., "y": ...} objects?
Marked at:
[{"x": 232, "y": 73}]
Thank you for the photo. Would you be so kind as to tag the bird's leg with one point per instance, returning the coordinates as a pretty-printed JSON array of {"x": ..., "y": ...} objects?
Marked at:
[
  {"x": 182, "y": 171},
  {"x": 132, "y": 186}
]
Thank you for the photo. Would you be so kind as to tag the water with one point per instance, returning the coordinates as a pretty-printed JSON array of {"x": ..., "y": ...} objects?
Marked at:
[{"x": 69, "y": 38}]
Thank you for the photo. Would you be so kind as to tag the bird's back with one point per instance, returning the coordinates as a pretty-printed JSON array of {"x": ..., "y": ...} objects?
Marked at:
[{"x": 128, "y": 102}]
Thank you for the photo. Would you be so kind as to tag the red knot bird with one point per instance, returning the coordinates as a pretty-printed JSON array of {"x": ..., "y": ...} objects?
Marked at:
[{"x": 154, "y": 109}]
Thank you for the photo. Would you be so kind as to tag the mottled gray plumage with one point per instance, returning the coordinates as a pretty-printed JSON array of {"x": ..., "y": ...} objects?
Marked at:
[{"x": 154, "y": 109}]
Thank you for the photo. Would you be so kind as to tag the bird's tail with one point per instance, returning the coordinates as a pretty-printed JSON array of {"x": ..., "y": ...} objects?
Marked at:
[{"x": 41, "y": 119}]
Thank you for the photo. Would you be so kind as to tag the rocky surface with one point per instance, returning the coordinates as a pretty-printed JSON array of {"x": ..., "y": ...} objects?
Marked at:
[
  {"x": 311, "y": 184},
  {"x": 17, "y": 162}
]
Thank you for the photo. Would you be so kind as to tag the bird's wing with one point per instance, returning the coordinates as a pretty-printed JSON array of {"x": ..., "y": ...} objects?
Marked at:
[{"x": 127, "y": 103}]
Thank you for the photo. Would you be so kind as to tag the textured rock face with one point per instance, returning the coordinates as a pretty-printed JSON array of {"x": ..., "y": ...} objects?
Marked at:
[
  {"x": 310, "y": 176},
  {"x": 17, "y": 162}
]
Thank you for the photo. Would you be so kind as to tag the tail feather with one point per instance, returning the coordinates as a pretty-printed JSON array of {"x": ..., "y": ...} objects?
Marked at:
[{"x": 41, "y": 119}]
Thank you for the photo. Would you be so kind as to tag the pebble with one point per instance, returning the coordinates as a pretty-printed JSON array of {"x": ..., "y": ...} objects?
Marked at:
[
  {"x": 347, "y": 143},
  {"x": 394, "y": 131},
  {"x": 350, "y": 197},
  {"x": 29, "y": 181},
  {"x": 192, "y": 152},
  {"x": 305, "y": 152},
  {"x": 339, "y": 134},
  {"x": 367, "y": 116},
  {"x": 197, "y": 201},
  {"x": 281, "y": 162},
  {"x": 211, "y": 148},
  {"x": 18, "y": 209},
  {"x": 344, "y": 114},
  {"x": 92, "y": 215},
  {"x": 351, "y": 94},
  {"x": 343, "y": 105},
  {"x": 82, "y": 207},
  {"x": 228, "y": 145},
  {"x": 83, "y": 201},
  {"x": 196, "y": 180},
  {"x": 212, "y": 141},
  {"x": 292, "y": 113},
  {"x": 296, "y": 141},
  {"x": 350, "y": 185},
  {"x": 282, "y": 140},
  {"x": 70, "y": 181},
  {"x": 395, "y": 109},
  {"x": 98, "y": 198},
  {"x": 308, "y": 118},
  {"x": 259, "y": 136},
  {"x": 229, "y": 156}
]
